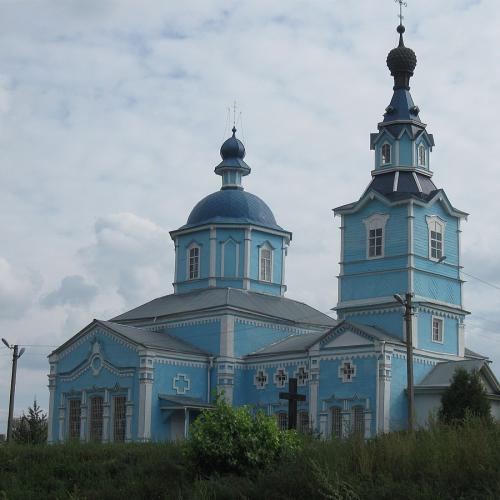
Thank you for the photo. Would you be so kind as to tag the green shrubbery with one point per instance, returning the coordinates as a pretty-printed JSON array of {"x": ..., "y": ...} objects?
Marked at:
[
  {"x": 445, "y": 462},
  {"x": 228, "y": 439}
]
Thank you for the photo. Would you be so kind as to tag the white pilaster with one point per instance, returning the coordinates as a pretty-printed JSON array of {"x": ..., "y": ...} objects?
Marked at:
[
  {"x": 62, "y": 417},
  {"x": 146, "y": 379},
  {"x": 247, "y": 259},
  {"x": 106, "y": 417},
  {"x": 84, "y": 417},
  {"x": 52, "y": 395},
  {"x": 384, "y": 390},
  {"x": 227, "y": 335},
  {"x": 213, "y": 256},
  {"x": 461, "y": 338},
  {"x": 129, "y": 414},
  {"x": 176, "y": 268}
]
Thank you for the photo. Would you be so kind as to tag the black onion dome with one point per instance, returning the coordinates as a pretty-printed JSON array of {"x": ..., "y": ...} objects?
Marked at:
[
  {"x": 402, "y": 62},
  {"x": 232, "y": 148}
]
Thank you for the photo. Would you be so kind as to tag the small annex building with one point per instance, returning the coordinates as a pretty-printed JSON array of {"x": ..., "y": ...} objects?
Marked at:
[{"x": 147, "y": 373}]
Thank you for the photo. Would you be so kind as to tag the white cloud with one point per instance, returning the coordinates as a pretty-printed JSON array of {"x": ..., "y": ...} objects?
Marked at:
[
  {"x": 73, "y": 291},
  {"x": 17, "y": 290}
]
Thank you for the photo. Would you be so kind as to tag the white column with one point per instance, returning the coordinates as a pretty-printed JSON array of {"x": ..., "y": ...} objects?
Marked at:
[
  {"x": 384, "y": 390},
  {"x": 62, "y": 417},
  {"x": 227, "y": 335},
  {"x": 84, "y": 435},
  {"x": 146, "y": 379},
  {"x": 313, "y": 393},
  {"x": 106, "y": 417},
  {"x": 176, "y": 265},
  {"x": 213, "y": 257},
  {"x": 323, "y": 424},
  {"x": 247, "y": 259},
  {"x": 461, "y": 338},
  {"x": 129, "y": 414},
  {"x": 52, "y": 395}
]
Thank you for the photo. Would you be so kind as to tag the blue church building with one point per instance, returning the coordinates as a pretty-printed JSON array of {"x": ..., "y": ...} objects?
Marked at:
[{"x": 228, "y": 327}]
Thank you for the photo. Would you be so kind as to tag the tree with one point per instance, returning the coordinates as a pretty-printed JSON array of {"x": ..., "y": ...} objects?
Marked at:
[
  {"x": 466, "y": 395},
  {"x": 31, "y": 428},
  {"x": 227, "y": 439}
]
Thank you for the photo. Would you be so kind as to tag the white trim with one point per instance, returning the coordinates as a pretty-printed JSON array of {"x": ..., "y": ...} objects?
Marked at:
[
  {"x": 411, "y": 240},
  {"x": 435, "y": 219},
  {"x": 283, "y": 370},
  {"x": 246, "y": 263},
  {"x": 190, "y": 247},
  {"x": 419, "y": 163},
  {"x": 176, "y": 264},
  {"x": 258, "y": 385},
  {"x": 396, "y": 181},
  {"x": 305, "y": 380},
  {"x": 213, "y": 256},
  {"x": 227, "y": 335},
  {"x": 266, "y": 246},
  {"x": 181, "y": 232},
  {"x": 417, "y": 182},
  {"x": 177, "y": 379},
  {"x": 440, "y": 320},
  {"x": 374, "y": 222},
  {"x": 380, "y": 159},
  {"x": 341, "y": 373}
]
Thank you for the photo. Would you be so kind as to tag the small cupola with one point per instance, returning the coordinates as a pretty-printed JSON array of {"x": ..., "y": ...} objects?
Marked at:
[
  {"x": 402, "y": 62},
  {"x": 232, "y": 167}
]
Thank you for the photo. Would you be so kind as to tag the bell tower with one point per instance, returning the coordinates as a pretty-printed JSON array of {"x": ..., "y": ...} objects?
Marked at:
[{"x": 403, "y": 234}]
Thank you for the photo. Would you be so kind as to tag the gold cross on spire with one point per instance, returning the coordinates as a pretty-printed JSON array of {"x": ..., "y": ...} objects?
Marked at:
[{"x": 402, "y": 4}]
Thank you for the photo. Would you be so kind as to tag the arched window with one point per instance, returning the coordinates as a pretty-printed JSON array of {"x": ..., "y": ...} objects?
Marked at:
[
  {"x": 96, "y": 414},
  {"x": 359, "y": 420},
  {"x": 375, "y": 235},
  {"x": 386, "y": 154},
  {"x": 336, "y": 422},
  {"x": 266, "y": 264},
  {"x": 421, "y": 156},
  {"x": 194, "y": 262},
  {"x": 436, "y": 227},
  {"x": 282, "y": 418}
]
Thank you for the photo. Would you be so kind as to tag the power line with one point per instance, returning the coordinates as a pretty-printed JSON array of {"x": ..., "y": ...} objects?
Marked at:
[{"x": 481, "y": 280}]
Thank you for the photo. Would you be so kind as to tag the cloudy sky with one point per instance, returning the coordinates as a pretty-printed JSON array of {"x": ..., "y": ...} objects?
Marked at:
[{"x": 111, "y": 118}]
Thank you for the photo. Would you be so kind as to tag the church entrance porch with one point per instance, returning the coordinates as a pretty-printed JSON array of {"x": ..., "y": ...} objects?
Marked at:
[{"x": 179, "y": 413}]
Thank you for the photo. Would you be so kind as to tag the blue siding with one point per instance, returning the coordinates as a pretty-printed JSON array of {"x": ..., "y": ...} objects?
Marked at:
[
  {"x": 206, "y": 336},
  {"x": 249, "y": 338},
  {"x": 450, "y": 334},
  {"x": 374, "y": 285},
  {"x": 405, "y": 151},
  {"x": 390, "y": 322}
]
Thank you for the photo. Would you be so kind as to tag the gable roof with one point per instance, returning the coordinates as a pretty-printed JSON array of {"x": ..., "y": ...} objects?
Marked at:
[
  {"x": 139, "y": 336},
  {"x": 271, "y": 306},
  {"x": 440, "y": 376}
]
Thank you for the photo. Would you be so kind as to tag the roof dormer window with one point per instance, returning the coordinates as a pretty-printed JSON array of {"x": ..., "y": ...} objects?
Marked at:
[
  {"x": 422, "y": 160},
  {"x": 385, "y": 154}
]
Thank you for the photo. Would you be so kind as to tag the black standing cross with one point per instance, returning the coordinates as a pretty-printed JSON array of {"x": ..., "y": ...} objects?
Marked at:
[{"x": 292, "y": 397}]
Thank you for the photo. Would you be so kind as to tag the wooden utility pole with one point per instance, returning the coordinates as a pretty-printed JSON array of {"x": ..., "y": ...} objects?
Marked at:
[
  {"x": 16, "y": 354},
  {"x": 407, "y": 303}
]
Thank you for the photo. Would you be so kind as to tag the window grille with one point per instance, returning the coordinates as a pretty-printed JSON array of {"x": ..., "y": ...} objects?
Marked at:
[
  {"x": 74, "y": 418},
  {"x": 303, "y": 421},
  {"x": 437, "y": 330},
  {"x": 260, "y": 379},
  {"x": 119, "y": 418},
  {"x": 375, "y": 242},
  {"x": 336, "y": 422},
  {"x": 96, "y": 414},
  {"x": 194, "y": 263},
  {"x": 265, "y": 264},
  {"x": 359, "y": 420},
  {"x": 281, "y": 378},
  {"x": 282, "y": 418},
  {"x": 302, "y": 376},
  {"x": 386, "y": 154}
]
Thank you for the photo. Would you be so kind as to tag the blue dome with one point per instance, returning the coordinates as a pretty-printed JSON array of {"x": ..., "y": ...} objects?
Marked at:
[{"x": 232, "y": 206}]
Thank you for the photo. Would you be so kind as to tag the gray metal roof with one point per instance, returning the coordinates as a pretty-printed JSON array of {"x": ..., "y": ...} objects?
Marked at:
[
  {"x": 213, "y": 298},
  {"x": 293, "y": 343},
  {"x": 442, "y": 373},
  {"x": 153, "y": 339},
  {"x": 140, "y": 336},
  {"x": 183, "y": 401},
  {"x": 373, "y": 331},
  {"x": 472, "y": 354}
]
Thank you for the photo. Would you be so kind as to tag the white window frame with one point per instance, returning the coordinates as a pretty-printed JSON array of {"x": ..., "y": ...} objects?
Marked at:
[
  {"x": 372, "y": 223},
  {"x": 267, "y": 247},
  {"x": 303, "y": 380},
  {"x": 441, "y": 329},
  {"x": 420, "y": 148},
  {"x": 193, "y": 246},
  {"x": 340, "y": 427},
  {"x": 114, "y": 419},
  {"x": 382, "y": 162},
  {"x": 434, "y": 222}
]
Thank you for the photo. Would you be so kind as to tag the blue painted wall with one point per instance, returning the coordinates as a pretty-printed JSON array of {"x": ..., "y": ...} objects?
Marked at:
[{"x": 206, "y": 335}]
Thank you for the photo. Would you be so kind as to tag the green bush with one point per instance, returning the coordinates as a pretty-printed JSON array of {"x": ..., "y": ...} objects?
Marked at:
[
  {"x": 228, "y": 439},
  {"x": 464, "y": 397}
]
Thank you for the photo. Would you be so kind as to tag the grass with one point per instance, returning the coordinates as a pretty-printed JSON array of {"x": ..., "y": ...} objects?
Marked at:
[{"x": 444, "y": 462}]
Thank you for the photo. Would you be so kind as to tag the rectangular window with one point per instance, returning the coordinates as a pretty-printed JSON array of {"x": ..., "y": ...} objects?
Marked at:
[
  {"x": 436, "y": 243},
  {"x": 437, "y": 330},
  {"x": 282, "y": 418},
  {"x": 119, "y": 418},
  {"x": 265, "y": 264},
  {"x": 96, "y": 414},
  {"x": 359, "y": 420},
  {"x": 74, "y": 418},
  {"x": 194, "y": 263},
  {"x": 303, "y": 423},
  {"x": 375, "y": 242},
  {"x": 336, "y": 422}
]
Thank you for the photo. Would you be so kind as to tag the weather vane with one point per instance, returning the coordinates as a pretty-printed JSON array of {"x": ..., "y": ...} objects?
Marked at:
[
  {"x": 402, "y": 4},
  {"x": 234, "y": 114}
]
